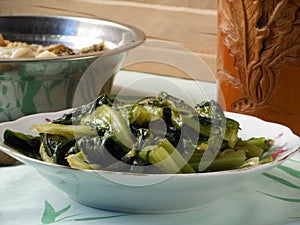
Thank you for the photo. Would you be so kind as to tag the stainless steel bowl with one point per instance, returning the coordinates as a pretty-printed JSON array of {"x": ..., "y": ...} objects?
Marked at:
[{"x": 34, "y": 85}]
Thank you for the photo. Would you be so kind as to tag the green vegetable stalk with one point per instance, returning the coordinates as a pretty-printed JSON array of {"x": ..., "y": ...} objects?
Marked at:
[
  {"x": 166, "y": 157},
  {"x": 160, "y": 134}
]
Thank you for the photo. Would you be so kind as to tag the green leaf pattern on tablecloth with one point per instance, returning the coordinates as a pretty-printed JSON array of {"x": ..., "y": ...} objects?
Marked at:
[
  {"x": 50, "y": 215},
  {"x": 282, "y": 181},
  {"x": 291, "y": 172}
]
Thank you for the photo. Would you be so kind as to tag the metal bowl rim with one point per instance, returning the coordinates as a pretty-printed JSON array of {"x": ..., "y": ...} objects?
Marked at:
[{"x": 139, "y": 39}]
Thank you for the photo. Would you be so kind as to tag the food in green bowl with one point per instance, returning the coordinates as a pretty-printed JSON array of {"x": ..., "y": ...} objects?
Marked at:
[{"x": 30, "y": 85}]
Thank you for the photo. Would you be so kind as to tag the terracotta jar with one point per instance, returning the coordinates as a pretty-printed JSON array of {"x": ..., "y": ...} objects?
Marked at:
[{"x": 259, "y": 59}]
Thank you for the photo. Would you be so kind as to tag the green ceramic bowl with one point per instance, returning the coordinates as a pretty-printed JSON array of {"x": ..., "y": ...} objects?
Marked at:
[{"x": 29, "y": 86}]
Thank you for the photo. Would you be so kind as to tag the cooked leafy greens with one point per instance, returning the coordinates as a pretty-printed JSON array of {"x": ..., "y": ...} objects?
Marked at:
[{"x": 159, "y": 134}]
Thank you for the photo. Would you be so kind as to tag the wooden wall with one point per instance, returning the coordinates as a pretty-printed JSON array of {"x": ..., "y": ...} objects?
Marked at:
[{"x": 188, "y": 25}]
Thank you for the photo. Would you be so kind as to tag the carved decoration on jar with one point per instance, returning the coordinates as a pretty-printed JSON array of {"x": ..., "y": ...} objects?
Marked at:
[{"x": 262, "y": 36}]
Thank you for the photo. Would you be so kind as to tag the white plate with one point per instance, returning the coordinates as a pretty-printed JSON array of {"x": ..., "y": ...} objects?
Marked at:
[{"x": 155, "y": 193}]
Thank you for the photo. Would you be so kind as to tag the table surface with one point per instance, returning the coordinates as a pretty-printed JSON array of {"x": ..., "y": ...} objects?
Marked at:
[{"x": 269, "y": 199}]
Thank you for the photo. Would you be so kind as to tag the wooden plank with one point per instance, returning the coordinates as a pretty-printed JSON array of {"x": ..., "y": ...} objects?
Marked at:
[
  {"x": 166, "y": 70},
  {"x": 165, "y": 58},
  {"x": 197, "y": 4}
]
